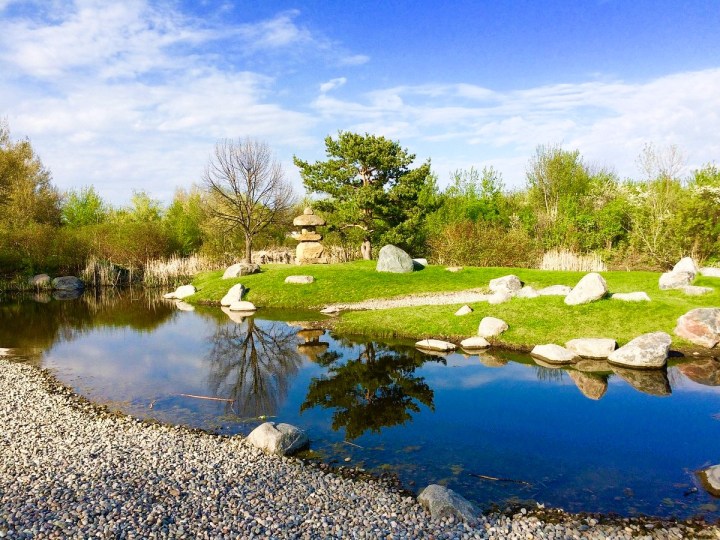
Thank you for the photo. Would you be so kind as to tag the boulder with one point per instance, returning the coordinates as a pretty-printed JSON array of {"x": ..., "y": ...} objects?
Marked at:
[
  {"x": 591, "y": 347},
  {"x": 555, "y": 290},
  {"x": 242, "y": 305},
  {"x": 435, "y": 345},
  {"x": 654, "y": 381},
  {"x": 465, "y": 310},
  {"x": 592, "y": 386},
  {"x": 694, "y": 290},
  {"x": 183, "y": 291},
  {"x": 420, "y": 263},
  {"x": 510, "y": 283},
  {"x": 491, "y": 327},
  {"x": 241, "y": 269},
  {"x": 700, "y": 326},
  {"x": 527, "y": 292},
  {"x": 299, "y": 280},
  {"x": 499, "y": 297},
  {"x": 555, "y": 354},
  {"x": 590, "y": 288},
  {"x": 67, "y": 283},
  {"x": 708, "y": 271},
  {"x": 393, "y": 259},
  {"x": 40, "y": 281},
  {"x": 235, "y": 294},
  {"x": 639, "y": 296},
  {"x": 647, "y": 351},
  {"x": 443, "y": 502},
  {"x": 687, "y": 264},
  {"x": 280, "y": 439},
  {"x": 705, "y": 371},
  {"x": 675, "y": 280},
  {"x": 476, "y": 342},
  {"x": 710, "y": 479}
]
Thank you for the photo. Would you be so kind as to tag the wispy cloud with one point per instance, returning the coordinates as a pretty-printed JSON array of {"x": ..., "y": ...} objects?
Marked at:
[{"x": 332, "y": 84}]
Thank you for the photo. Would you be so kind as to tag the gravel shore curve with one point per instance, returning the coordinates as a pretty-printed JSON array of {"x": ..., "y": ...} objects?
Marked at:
[
  {"x": 70, "y": 469},
  {"x": 430, "y": 299}
]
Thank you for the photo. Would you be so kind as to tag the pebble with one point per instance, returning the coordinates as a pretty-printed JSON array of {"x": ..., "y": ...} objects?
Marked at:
[{"x": 70, "y": 469}]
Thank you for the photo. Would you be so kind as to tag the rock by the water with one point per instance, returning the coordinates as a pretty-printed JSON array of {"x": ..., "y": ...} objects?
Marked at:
[
  {"x": 639, "y": 296},
  {"x": 590, "y": 288},
  {"x": 510, "y": 283},
  {"x": 491, "y": 327},
  {"x": 443, "y": 502},
  {"x": 393, "y": 259},
  {"x": 649, "y": 381},
  {"x": 67, "y": 283},
  {"x": 555, "y": 354},
  {"x": 700, "y": 326},
  {"x": 675, "y": 280},
  {"x": 592, "y": 386},
  {"x": 591, "y": 347},
  {"x": 555, "y": 290},
  {"x": 705, "y": 371},
  {"x": 235, "y": 294},
  {"x": 647, "y": 351},
  {"x": 710, "y": 479},
  {"x": 281, "y": 439},
  {"x": 40, "y": 281},
  {"x": 694, "y": 290},
  {"x": 476, "y": 342},
  {"x": 465, "y": 310},
  {"x": 183, "y": 291},
  {"x": 709, "y": 271},
  {"x": 299, "y": 280},
  {"x": 435, "y": 345},
  {"x": 242, "y": 305},
  {"x": 241, "y": 269},
  {"x": 527, "y": 292},
  {"x": 687, "y": 264}
]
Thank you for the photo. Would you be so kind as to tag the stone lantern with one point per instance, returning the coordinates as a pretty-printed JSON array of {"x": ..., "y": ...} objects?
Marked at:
[{"x": 309, "y": 249}]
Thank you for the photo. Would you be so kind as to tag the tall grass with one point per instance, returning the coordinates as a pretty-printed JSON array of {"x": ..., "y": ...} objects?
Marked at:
[
  {"x": 562, "y": 259},
  {"x": 176, "y": 270}
]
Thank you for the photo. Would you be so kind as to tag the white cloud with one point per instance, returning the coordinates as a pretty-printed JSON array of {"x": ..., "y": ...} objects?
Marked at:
[{"x": 332, "y": 84}]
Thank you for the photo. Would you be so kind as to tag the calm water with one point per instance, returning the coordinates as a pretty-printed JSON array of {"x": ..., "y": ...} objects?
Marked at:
[{"x": 389, "y": 408}]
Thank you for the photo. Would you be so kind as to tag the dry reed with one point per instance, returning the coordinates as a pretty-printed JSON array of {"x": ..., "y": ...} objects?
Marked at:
[
  {"x": 562, "y": 259},
  {"x": 173, "y": 271}
]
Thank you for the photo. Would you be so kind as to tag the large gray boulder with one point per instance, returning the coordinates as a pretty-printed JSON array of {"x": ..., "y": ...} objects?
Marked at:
[
  {"x": 700, "y": 326},
  {"x": 687, "y": 264},
  {"x": 443, "y": 502},
  {"x": 591, "y": 347},
  {"x": 710, "y": 479},
  {"x": 675, "y": 280},
  {"x": 393, "y": 259},
  {"x": 554, "y": 354},
  {"x": 590, "y": 288},
  {"x": 491, "y": 327},
  {"x": 235, "y": 294},
  {"x": 280, "y": 439},
  {"x": 648, "y": 351},
  {"x": 67, "y": 283},
  {"x": 241, "y": 269},
  {"x": 509, "y": 283}
]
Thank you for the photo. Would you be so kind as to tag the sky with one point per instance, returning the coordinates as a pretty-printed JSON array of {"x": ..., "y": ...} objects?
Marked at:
[{"x": 133, "y": 95}]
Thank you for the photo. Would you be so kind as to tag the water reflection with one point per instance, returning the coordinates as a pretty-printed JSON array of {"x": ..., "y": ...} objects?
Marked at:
[
  {"x": 705, "y": 371},
  {"x": 592, "y": 386},
  {"x": 252, "y": 365},
  {"x": 374, "y": 389},
  {"x": 651, "y": 381}
]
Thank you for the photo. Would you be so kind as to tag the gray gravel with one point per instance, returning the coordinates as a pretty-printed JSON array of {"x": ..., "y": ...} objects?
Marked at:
[
  {"x": 431, "y": 299},
  {"x": 69, "y": 469}
]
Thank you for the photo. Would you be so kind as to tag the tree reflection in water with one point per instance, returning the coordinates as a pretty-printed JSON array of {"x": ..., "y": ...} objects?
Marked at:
[
  {"x": 252, "y": 365},
  {"x": 374, "y": 390}
]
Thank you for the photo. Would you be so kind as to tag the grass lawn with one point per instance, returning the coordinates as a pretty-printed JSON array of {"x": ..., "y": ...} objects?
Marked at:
[{"x": 532, "y": 321}]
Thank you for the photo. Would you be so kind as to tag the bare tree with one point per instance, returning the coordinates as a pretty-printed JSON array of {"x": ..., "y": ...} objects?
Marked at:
[{"x": 247, "y": 187}]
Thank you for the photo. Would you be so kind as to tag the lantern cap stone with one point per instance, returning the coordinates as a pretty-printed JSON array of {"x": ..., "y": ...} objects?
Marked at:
[{"x": 308, "y": 219}]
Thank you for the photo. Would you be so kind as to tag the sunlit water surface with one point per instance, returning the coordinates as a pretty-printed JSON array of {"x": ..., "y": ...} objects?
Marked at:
[{"x": 495, "y": 427}]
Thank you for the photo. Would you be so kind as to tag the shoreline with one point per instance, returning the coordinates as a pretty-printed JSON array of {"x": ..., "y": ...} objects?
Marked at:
[{"x": 78, "y": 469}]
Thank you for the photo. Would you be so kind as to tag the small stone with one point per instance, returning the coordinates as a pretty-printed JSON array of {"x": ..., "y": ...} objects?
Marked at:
[
  {"x": 465, "y": 310},
  {"x": 435, "y": 345},
  {"x": 553, "y": 353},
  {"x": 476, "y": 342},
  {"x": 299, "y": 280}
]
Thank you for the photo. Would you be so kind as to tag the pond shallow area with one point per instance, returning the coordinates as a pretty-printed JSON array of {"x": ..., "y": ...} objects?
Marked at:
[{"x": 495, "y": 427}]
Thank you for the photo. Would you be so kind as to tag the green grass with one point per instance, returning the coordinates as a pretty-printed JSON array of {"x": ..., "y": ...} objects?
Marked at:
[{"x": 531, "y": 321}]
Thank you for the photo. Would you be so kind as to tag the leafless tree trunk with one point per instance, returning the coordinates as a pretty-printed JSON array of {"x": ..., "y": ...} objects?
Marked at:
[{"x": 248, "y": 188}]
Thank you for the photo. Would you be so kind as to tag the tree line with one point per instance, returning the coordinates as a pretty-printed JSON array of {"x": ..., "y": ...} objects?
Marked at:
[{"x": 371, "y": 192}]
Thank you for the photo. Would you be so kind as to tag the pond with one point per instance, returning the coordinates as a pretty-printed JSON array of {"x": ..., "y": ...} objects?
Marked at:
[{"x": 496, "y": 427}]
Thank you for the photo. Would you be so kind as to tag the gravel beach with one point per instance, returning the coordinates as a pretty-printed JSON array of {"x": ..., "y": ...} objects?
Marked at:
[{"x": 70, "y": 469}]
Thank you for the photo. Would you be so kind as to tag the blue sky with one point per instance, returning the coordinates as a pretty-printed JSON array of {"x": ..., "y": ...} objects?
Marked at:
[{"x": 133, "y": 95}]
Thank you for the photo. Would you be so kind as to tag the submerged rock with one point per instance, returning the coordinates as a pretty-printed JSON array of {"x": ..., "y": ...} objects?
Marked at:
[{"x": 443, "y": 502}]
